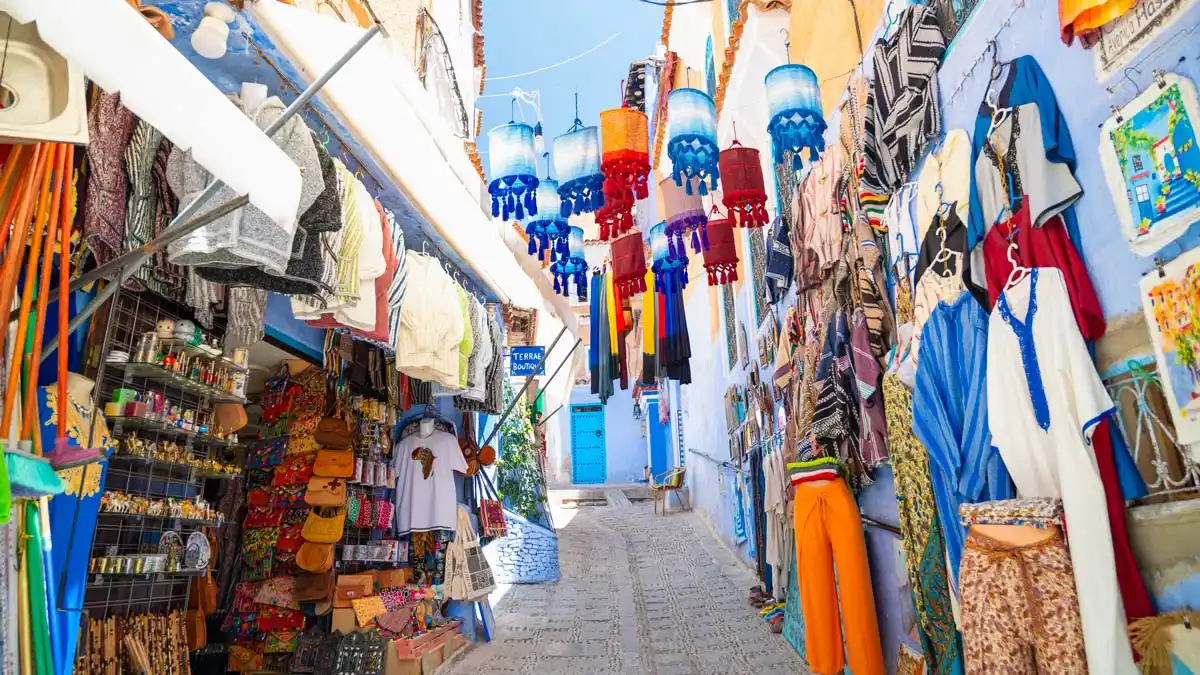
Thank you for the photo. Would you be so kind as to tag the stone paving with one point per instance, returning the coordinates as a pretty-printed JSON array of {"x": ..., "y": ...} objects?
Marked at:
[{"x": 640, "y": 594}]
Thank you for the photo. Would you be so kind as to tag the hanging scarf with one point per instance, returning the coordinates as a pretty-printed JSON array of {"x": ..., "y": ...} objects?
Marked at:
[{"x": 649, "y": 330}]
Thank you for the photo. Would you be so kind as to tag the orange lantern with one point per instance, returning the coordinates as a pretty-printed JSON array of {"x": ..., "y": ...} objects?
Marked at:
[{"x": 625, "y": 154}]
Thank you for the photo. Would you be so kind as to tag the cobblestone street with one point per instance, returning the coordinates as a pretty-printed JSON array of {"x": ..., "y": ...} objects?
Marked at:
[{"x": 640, "y": 594}]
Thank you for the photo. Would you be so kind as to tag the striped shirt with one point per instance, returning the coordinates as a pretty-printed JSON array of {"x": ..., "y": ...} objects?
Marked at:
[
  {"x": 902, "y": 108},
  {"x": 399, "y": 285}
]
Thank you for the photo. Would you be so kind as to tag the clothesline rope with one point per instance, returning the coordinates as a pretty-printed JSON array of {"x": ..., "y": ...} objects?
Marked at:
[{"x": 552, "y": 66}]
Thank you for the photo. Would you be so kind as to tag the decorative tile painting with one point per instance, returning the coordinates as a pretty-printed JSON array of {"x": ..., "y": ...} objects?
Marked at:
[
  {"x": 1171, "y": 302},
  {"x": 1152, "y": 163}
]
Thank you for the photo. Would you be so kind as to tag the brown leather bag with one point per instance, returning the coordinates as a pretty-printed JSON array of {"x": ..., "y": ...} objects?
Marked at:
[
  {"x": 315, "y": 558},
  {"x": 391, "y": 578},
  {"x": 334, "y": 463},
  {"x": 333, "y": 432},
  {"x": 325, "y": 492},
  {"x": 351, "y": 587},
  {"x": 197, "y": 630},
  {"x": 314, "y": 587}
]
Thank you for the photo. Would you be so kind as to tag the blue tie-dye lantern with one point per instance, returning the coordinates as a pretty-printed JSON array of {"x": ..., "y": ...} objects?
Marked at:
[
  {"x": 577, "y": 163},
  {"x": 571, "y": 267},
  {"x": 514, "y": 171},
  {"x": 547, "y": 230},
  {"x": 669, "y": 262},
  {"x": 794, "y": 104},
  {"x": 692, "y": 139}
]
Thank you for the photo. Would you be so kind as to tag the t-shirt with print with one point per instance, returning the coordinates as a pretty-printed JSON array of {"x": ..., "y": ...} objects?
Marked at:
[{"x": 426, "y": 498}]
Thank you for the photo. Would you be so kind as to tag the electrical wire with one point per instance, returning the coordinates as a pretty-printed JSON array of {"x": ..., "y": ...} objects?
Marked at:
[
  {"x": 673, "y": 3},
  {"x": 552, "y": 66}
]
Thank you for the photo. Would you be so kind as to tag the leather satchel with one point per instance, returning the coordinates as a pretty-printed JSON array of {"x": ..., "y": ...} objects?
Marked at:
[
  {"x": 334, "y": 433},
  {"x": 350, "y": 587},
  {"x": 325, "y": 492},
  {"x": 314, "y": 587},
  {"x": 335, "y": 464},
  {"x": 316, "y": 558},
  {"x": 324, "y": 529}
]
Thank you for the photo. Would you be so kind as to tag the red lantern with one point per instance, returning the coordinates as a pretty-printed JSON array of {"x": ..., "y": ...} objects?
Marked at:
[
  {"x": 614, "y": 219},
  {"x": 720, "y": 258},
  {"x": 745, "y": 194},
  {"x": 629, "y": 265},
  {"x": 625, "y": 155}
]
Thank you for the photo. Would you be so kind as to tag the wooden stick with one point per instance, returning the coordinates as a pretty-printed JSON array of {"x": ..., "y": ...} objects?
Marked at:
[
  {"x": 64, "y": 292},
  {"x": 43, "y": 294},
  {"x": 16, "y": 246}
]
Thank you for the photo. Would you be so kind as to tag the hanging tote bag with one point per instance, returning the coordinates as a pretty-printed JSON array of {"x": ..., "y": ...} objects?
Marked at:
[
  {"x": 468, "y": 575},
  {"x": 324, "y": 529},
  {"x": 491, "y": 510}
]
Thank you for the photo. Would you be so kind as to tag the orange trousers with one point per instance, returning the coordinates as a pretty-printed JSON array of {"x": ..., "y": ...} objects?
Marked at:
[{"x": 829, "y": 531}]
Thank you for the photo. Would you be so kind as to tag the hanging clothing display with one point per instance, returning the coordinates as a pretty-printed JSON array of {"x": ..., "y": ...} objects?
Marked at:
[
  {"x": 425, "y": 473},
  {"x": 246, "y": 237},
  {"x": 829, "y": 541},
  {"x": 921, "y": 532},
  {"x": 110, "y": 128},
  {"x": 820, "y": 210},
  {"x": 779, "y": 530},
  {"x": 1048, "y": 400},
  {"x": 951, "y": 416},
  {"x": 431, "y": 324},
  {"x": 945, "y": 178}
]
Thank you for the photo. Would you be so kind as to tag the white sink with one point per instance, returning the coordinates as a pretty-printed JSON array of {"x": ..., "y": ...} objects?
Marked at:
[{"x": 41, "y": 94}]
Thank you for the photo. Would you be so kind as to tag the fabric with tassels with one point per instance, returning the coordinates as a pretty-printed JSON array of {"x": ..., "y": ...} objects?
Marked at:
[
  {"x": 629, "y": 264},
  {"x": 720, "y": 259},
  {"x": 744, "y": 190}
]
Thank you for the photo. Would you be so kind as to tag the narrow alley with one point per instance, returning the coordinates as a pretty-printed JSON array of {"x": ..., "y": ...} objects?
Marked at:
[{"x": 641, "y": 594}]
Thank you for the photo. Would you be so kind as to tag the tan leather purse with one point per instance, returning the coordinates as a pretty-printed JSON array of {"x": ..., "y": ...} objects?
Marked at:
[
  {"x": 324, "y": 528},
  {"x": 334, "y": 463},
  {"x": 325, "y": 492},
  {"x": 314, "y": 587},
  {"x": 350, "y": 587},
  {"x": 333, "y": 432},
  {"x": 316, "y": 558}
]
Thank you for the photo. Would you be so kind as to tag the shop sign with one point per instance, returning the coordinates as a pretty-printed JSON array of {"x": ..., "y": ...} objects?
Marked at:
[
  {"x": 523, "y": 361},
  {"x": 1122, "y": 39}
]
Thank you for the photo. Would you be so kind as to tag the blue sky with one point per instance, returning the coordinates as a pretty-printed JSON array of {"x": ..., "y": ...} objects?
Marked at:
[{"x": 524, "y": 35}]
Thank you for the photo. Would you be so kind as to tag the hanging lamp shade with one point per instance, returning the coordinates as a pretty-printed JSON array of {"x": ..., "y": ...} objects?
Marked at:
[
  {"x": 614, "y": 219},
  {"x": 625, "y": 142},
  {"x": 629, "y": 264},
  {"x": 692, "y": 140},
  {"x": 577, "y": 163},
  {"x": 571, "y": 267},
  {"x": 794, "y": 104},
  {"x": 514, "y": 171},
  {"x": 743, "y": 190},
  {"x": 720, "y": 258},
  {"x": 547, "y": 229},
  {"x": 668, "y": 261},
  {"x": 686, "y": 217}
]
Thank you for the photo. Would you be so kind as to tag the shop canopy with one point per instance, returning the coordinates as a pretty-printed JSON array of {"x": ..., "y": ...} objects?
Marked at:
[
  {"x": 116, "y": 48},
  {"x": 380, "y": 99}
]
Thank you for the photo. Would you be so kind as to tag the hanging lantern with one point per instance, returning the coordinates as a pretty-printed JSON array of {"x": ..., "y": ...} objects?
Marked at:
[
  {"x": 629, "y": 265},
  {"x": 571, "y": 267},
  {"x": 720, "y": 258},
  {"x": 668, "y": 261},
  {"x": 614, "y": 219},
  {"x": 794, "y": 104},
  {"x": 625, "y": 142},
  {"x": 692, "y": 139},
  {"x": 685, "y": 217},
  {"x": 514, "y": 171},
  {"x": 743, "y": 191},
  {"x": 577, "y": 162},
  {"x": 547, "y": 230}
]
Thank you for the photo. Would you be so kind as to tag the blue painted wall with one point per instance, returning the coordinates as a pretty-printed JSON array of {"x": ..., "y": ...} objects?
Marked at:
[
  {"x": 282, "y": 325},
  {"x": 626, "y": 448}
]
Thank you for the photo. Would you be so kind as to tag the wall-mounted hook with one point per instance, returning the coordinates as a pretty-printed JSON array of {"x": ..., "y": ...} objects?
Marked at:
[{"x": 787, "y": 43}]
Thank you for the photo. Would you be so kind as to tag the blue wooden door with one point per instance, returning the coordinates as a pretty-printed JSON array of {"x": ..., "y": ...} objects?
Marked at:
[
  {"x": 587, "y": 445},
  {"x": 660, "y": 441}
]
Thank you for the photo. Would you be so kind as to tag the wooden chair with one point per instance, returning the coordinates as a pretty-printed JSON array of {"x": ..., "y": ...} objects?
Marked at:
[{"x": 662, "y": 486}]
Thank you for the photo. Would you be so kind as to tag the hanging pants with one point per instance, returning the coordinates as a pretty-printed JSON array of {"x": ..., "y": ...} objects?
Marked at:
[
  {"x": 829, "y": 532},
  {"x": 1020, "y": 609}
]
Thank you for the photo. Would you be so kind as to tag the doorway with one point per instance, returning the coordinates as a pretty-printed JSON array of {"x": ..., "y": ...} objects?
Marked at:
[{"x": 588, "y": 445}]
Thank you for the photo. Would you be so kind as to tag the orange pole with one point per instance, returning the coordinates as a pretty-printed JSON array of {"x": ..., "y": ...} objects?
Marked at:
[
  {"x": 64, "y": 291},
  {"x": 10, "y": 209},
  {"x": 43, "y": 294},
  {"x": 16, "y": 247}
]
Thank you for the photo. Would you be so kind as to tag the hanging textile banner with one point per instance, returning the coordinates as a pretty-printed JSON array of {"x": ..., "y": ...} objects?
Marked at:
[
  {"x": 577, "y": 162},
  {"x": 572, "y": 267},
  {"x": 744, "y": 191},
  {"x": 720, "y": 258},
  {"x": 692, "y": 140},
  {"x": 547, "y": 230},
  {"x": 794, "y": 104},
  {"x": 685, "y": 217},
  {"x": 514, "y": 171},
  {"x": 629, "y": 265}
]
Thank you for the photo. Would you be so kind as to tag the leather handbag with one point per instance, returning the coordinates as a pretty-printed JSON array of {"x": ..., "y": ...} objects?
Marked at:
[
  {"x": 325, "y": 492},
  {"x": 350, "y": 587},
  {"x": 335, "y": 464},
  {"x": 391, "y": 578},
  {"x": 314, "y": 587},
  {"x": 316, "y": 558},
  {"x": 324, "y": 528},
  {"x": 334, "y": 433}
]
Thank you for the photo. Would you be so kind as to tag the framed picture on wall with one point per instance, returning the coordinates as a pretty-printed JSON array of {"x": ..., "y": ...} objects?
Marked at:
[
  {"x": 1151, "y": 163},
  {"x": 1171, "y": 302}
]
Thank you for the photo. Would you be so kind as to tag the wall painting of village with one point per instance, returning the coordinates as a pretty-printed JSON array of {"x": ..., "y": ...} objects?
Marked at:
[
  {"x": 1156, "y": 174},
  {"x": 1172, "y": 306}
]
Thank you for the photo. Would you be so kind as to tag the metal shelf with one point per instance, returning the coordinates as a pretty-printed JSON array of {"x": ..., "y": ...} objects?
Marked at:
[
  {"x": 195, "y": 350},
  {"x": 157, "y": 463},
  {"x": 153, "y": 577},
  {"x": 164, "y": 429},
  {"x": 179, "y": 522},
  {"x": 157, "y": 373}
]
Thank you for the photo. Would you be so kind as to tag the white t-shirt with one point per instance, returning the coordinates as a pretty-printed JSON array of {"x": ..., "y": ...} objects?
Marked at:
[{"x": 427, "y": 503}]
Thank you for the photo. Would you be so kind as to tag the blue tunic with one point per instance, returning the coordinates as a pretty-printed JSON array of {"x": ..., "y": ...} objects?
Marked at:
[{"x": 950, "y": 416}]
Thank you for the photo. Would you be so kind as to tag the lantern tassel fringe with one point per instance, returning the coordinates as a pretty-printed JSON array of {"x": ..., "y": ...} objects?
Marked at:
[
  {"x": 582, "y": 195},
  {"x": 721, "y": 273},
  {"x": 751, "y": 209},
  {"x": 514, "y": 196},
  {"x": 795, "y": 131}
]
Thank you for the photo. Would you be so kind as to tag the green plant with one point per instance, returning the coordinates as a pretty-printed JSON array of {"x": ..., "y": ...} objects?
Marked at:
[{"x": 519, "y": 477}]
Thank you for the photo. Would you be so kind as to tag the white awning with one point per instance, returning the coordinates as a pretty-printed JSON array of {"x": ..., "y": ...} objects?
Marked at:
[
  {"x": 379, "y": 98},
  {"x": 117, "y": 49}
]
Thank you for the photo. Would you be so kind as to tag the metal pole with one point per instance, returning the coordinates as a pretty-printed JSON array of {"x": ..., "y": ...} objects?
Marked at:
[
  {"x": 130, "y": 261},
  {"x": 524, "y": 388},
  {"x": 547, "y": 417},
  {"x": 578, "y": 341}
]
